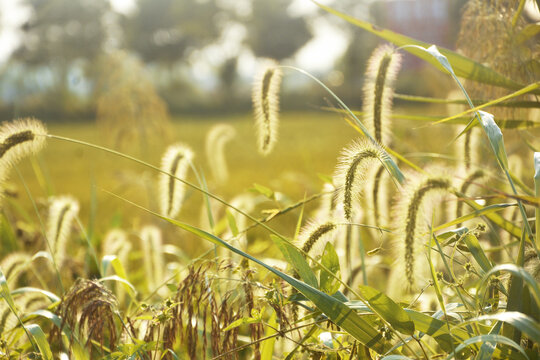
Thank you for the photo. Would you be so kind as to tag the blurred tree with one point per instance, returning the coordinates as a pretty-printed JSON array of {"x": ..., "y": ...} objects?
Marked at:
[
  {"x": 273, "y": 33},
  {"x": 165, "y": 31},
  {"x": 58, "y": 33}
]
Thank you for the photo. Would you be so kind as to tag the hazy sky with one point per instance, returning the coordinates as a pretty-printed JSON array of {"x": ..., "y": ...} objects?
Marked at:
[{"x": 318, "y": 55}]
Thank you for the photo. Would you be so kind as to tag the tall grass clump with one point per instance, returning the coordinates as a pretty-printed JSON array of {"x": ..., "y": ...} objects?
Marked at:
[
  {"x": 265, "y": 99},
  {"x": 454, "y": 283}
]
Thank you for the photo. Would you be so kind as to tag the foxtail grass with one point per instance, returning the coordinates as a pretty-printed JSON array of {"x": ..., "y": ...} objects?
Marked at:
[
  {"x": 62, "y": 212},
  {"x": 216, "y": 139},
  {"x": 354, "y": 163},
  {"x": 409, "y": 209},
  {"x": 152, "y": 247},
  {"x": 313, "y": 236},
  {"x": 381, "y": 73},
  {"x": 175, "y": 161},
  {"x": 15, "y": 265},
  {"x": 265, "y": 98}
]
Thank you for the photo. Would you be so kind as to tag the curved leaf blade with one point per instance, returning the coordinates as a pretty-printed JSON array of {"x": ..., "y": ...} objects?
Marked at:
[{"x": 388, "y": 309}]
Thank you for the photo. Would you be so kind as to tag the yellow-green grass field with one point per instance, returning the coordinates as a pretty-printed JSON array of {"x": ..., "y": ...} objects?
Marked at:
[{"x": 308, "y": 147}]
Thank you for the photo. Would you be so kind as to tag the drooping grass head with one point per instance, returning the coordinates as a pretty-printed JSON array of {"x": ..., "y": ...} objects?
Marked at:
[
  {"x": 382, "y": 69},
  {"x": 265, "y": 98}
]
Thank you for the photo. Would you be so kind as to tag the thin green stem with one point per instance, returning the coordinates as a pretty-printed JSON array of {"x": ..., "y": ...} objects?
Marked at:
[{"x": 42, "y": 226}]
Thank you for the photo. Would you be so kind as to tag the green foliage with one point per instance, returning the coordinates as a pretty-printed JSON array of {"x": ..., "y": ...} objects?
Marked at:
[{"x": 478, "y": 294}]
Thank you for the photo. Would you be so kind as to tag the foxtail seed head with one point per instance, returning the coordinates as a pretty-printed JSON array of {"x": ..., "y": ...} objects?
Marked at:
[
  {"x": 314, "y": 234},
  {"x": 151, "y": 245},
  {"x": 216, "y": 139},
  {"x": 353, "y": 164},
  {"x": 409, "y": 211},
  {"x": 382, "y": 69},
  {"x": 18, "y": 139},
  {"x": 175, "y": 161},
  {"x": 116, "y": 243},
  {"x": 62, "y": 212},
  {"x": 14, "y": 265},
  {"x": 469, "y": 147},
  {"x": 265, "y": 98}
]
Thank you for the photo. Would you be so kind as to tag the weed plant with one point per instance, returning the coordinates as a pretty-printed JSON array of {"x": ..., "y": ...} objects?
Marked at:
[{"x": 438, "y": 261}]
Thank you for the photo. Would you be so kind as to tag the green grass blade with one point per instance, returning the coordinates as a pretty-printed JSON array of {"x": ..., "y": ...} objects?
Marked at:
[
  {"x": 464, "y": 66},
  {"x": 499, "y": 339},
  {"x": 494, "y": 217},
  {"x": 461, "y": 120},
  {"x": 434, "y": 100},
  {"x": 267, "y": 346},
  {"x": 25, "y": 290},
  {"x": 477, "y": 213},
  {"x": 520, "y": 321},
  {"x": 387, "y": 161},
  {"x": 336, "y": 311},
  {"x": 330, "y": 260},
  {"x": 477, "y": 252},
  {"x": 537, "y": 191},
  {"x": 487, "y": 349},
  {"x": 297, "y": 261},
  {"x": 525, "y": 90},
  {"x": 516, "y": 271},
  {"x": 78, "y": 350},
  {"x": 41, "y": 341},
  {"x": 388, "y": 309}
]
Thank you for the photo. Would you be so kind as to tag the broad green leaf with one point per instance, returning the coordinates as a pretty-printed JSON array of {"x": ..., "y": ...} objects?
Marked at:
[
  {"x": 477, "y": 252},
  {"x": 477, "y": 213},
  {"x": 520, "y": 321},
  {"x": 331, "y": 261},
  {"x": 516, "y": 271},
  {"x": 338, "y": 312},
  {"x": 388, "y": 309},
  {"x": 296, "y": 260},
  {"x": 498, "y": 339},
  {"x": 41, "y": 341},
  {"x": 487, "y": 349},
  {"x": 396, "y": 357},
  {"x": 464, "y": 67},
  {"x": 267, "y": 346},
  {"x": 437, "y": 329}
]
